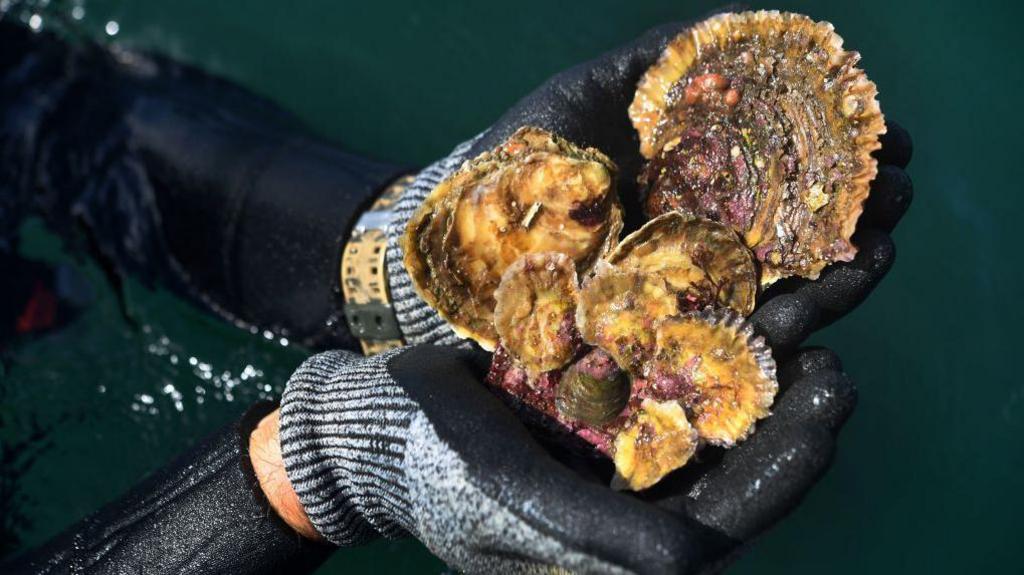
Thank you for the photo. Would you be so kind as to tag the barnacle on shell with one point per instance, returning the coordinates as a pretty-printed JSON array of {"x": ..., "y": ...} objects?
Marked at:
[
  {"x": 762, "y": 121},
  {"x": 672, "y": 265},
  {"x": 721, "y": 372},
  {"x": 658, "y": 440},
  {"x": 535, "y": 309},
  {"x": 534, "y": 193}
]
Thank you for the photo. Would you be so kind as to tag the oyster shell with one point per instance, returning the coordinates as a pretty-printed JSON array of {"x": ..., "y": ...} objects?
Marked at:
[
  {"x": 700, "y": 260},
  {"x": 593, "y": 391},
  {"x": 658, "y": 440},
  {"x": 762, "y": 121},
  {"x": 535, "y": 308},
  {"x": 534, "y": 193},
  {"x": 710, "y": 380},
  {"x": 672, "y": 265},
  {"x": 712, "y": 362}
]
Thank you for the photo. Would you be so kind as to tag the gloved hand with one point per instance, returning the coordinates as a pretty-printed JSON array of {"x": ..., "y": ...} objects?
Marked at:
[
  {"x": 411, "y": 442},
  {"x": 587, "y": 105},
  {"x": 730, "y": 496}
]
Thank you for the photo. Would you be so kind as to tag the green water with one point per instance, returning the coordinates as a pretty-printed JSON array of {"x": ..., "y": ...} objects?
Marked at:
[{"x": 927, "y": 477}]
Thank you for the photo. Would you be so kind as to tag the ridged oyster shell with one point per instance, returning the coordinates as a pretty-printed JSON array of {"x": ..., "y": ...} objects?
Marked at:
[
  {"x": 762, "y": 120},
  {"x": 536, "y": 192},
  {"x": 672, "y": 265},
  {"x": 666, "y": 372},
  {"x": 723, "y": 374},
  {"x": 593, "y": 391},
  {"x": 535, "y": 309},
  {"x": 657, "y": 441}
]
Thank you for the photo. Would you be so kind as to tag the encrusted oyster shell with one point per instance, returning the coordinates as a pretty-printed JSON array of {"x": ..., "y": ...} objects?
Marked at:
[
  {"x": 698, "y": 259},
  {"x": 762, "y": 121},
  {"x": 657, "y": 441},
  {"x": 721, "y": 372},
  {"x": 535, "y": 309},
  {"x": 534, "y": 193},
  {"x": 672, "y": 265},
  {"x": 710, "y": 380}
]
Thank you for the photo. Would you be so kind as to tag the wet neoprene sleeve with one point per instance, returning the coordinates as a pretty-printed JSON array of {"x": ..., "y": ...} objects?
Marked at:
[
  {"x": 203, "y": 513},
  {"x": 179, "y": 178}
]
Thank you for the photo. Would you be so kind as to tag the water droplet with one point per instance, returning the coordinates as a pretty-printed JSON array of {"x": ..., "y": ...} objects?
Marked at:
[
  {"x": 35, "y": 22},
  {"x": 112, "y": 28},
  {"x": 78, "y": 12}
]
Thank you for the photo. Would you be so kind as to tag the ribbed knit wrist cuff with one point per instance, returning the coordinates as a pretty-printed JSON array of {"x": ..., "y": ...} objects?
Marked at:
[
  {"x": 344, "y": 424},
  {"x": 419, "y": 323}
]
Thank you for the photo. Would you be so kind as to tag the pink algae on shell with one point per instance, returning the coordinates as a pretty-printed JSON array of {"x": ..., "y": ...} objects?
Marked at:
[
  {"x": 672, "y": 265},
  {"x": 762, "y": 121},
  {"x": 535, "y": 308}
]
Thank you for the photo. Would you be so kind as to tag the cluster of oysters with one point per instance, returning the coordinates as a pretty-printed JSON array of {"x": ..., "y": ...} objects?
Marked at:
[{"x": 758, "y": 130}]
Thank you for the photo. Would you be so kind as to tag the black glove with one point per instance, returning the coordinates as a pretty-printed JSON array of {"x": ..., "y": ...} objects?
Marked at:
[
  {"x": 202, "y": 513},
  {"x": 178, "y": 177}
]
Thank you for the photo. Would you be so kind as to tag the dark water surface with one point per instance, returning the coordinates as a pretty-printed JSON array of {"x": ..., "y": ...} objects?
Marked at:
[{"x": 928, "y": 473}]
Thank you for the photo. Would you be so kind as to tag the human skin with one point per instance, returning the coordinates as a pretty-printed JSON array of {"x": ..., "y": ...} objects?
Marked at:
[{"x": 265, "y": 455}]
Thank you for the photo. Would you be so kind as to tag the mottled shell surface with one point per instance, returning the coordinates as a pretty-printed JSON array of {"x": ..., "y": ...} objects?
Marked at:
[
  {"x": 535, "y": 309},
  {"x": 672, "y": 265},
  {"x": 534, "y": 193},
  {"x": 721, "y": 372},
  {"x": 658, "y": 440},
  {"x": 702, "y": 261},
  {"x": 762, "y": 121}
]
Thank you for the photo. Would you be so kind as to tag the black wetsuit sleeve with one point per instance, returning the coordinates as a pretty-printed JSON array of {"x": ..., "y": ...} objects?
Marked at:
[
  {"x": 181, "y": 179},
  {"x": 204, "y": 513}
]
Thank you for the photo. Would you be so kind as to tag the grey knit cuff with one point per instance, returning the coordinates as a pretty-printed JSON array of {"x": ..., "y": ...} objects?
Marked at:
[
  {"x": 344, "y": 424},
  {"x": 419, "y": 323}
]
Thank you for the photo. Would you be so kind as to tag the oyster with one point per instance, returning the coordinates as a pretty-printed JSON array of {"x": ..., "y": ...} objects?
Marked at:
[
  {"x": 762, "y": 121},
  {"x": 534, "y": 193},
  {"x": 701, "y": 261},
  {"x": 534, "y": 313},
  {"x": 593, "y": 391},
  {"x": 724, "y": 376},
  {"x": 658, "y": 440},
  {"x": 672, "y": 265},
  {"x": 709, "y": 381}
]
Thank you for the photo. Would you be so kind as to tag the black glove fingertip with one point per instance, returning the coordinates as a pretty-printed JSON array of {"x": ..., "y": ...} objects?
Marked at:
[
  {"x": 891, "y": 195},
  {"x": 897, "y": 147},
  {"x": 762, "y": 480},
  {"x": 785, "y": 321},
  {"x": 808, "y": 361},
  {"x": 843, "y": 286},
  {"x": 824, "y": 399}
]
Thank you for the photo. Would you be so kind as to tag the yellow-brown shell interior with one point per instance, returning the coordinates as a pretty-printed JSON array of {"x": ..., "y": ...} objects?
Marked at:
[
  {"x": 658, "y": 440},
  {"x": 672, "y": 265},
  {"x": 762, "y": 121},
  {"x": 535, "y": 311},
  {"x": 700, "y": 259},
  {"x": 534, "y": 193},
  {"x": 725, "y": 379},
  {"x": 617, "y": 313}
]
